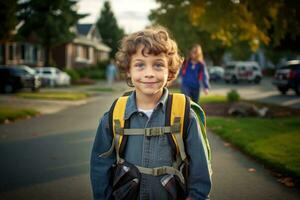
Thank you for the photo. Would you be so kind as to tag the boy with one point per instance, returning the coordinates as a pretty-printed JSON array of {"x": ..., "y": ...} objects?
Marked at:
[{"x": 150, "y": 60}]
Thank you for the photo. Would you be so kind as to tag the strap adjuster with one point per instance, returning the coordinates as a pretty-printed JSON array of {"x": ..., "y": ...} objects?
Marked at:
[{"x": 157, "y": 131}]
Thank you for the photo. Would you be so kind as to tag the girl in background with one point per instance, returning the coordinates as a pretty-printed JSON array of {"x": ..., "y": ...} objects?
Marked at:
[{"x": 193, "y": 73}]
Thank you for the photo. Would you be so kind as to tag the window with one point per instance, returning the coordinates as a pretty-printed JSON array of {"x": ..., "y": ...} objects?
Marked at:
[
  {"x": 1, "y": 53},
  {"x": 11, "y": 52},
  {"x": 23, "y": 47},
  {"x": 35, "y": 54},
  {"x": 47, "y": 72}
]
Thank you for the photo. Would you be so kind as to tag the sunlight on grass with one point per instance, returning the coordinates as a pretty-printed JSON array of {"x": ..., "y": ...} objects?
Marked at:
[
  {"x": 54, "y": 95},
  {"x": 105, "y": 89},
  {"x": 273, "y": 141},
  {"x": 12, "y": 113},
  {"x": 210, "y": 98}
]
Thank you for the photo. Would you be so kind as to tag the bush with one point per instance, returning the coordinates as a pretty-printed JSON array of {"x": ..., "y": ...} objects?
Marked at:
[
  {"x": 73, "y": 74},
  {"x": 233, "y": 96}
]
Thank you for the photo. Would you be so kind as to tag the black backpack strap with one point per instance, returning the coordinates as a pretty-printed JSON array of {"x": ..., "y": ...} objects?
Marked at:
[
  {"x": 125, "y": 138},
  {"x": 168, "y": 123},
  {"x": 186, "y": 122}
]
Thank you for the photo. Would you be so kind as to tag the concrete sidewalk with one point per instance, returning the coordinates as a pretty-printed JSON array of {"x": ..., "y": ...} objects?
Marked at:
[
  {"x": 233, "y": 180},
  {"x": 53, "y": 106}
]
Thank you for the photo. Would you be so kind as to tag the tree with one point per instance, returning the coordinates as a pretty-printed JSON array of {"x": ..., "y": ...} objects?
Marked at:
[
  {"x": 176, "y": 18},
  {"x": 8, "y": 18},
  {"x": 109, "y": 29},
  {"x": 50, "y": 20},
  {"x": 237, "y": 24}
]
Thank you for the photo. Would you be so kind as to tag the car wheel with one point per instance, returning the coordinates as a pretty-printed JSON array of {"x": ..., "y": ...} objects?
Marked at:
[
  {"x": 257, "y": 79},
  {"x": 283, "y": 90},
  {"x": 234, "y": 79},
  {"x": 8, "y": 88}
]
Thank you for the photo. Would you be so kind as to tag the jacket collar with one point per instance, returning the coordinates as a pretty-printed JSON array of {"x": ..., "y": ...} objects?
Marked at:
[{"x": 131, "y": 106}]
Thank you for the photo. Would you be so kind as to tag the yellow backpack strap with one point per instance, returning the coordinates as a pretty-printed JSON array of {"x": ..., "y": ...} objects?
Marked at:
[
  {"x": 116, "y": 125},
  {"x": 177, "y": 118}
]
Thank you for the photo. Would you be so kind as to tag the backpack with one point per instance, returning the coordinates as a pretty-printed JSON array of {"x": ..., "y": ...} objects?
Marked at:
[{"x": 176, "y": 122}]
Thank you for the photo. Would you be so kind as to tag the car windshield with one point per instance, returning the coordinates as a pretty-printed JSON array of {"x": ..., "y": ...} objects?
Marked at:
[
  {"x": 230, "y": 67},
  {"x": 27, "y": 70}
]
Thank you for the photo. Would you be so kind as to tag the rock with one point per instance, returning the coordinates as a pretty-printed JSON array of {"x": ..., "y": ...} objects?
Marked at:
[{"x": 243, "y": 109}]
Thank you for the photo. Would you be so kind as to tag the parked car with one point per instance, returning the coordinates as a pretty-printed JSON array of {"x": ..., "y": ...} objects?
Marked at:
[
  {"x": 243, "y": 71},
  {"x": 216, "y": 73},
  {"x": 13, "y": 78},
  {"x": 52, "y": 76},
  {"x": 288, "y": 77}
]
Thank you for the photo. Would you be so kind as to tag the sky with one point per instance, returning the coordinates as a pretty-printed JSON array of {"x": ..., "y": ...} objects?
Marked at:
[{"x": 132, "y": 15}]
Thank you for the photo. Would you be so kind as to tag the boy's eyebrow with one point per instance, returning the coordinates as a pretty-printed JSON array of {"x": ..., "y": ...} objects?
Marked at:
[
  {"x": 159, "y": 59},
  {"x": 137, "y": 59}
]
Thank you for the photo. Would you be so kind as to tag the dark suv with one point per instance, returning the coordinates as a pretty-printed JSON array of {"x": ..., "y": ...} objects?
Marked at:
[
  {"x": 13, "y": 78},
  {"x": 288, "y": 77}
]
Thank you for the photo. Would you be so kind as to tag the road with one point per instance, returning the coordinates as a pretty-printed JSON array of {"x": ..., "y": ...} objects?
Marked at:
[{"x": 47, "y": 157}]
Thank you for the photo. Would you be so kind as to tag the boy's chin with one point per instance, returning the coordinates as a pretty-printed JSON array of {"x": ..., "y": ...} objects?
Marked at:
[{"x": 149, "y": 91}]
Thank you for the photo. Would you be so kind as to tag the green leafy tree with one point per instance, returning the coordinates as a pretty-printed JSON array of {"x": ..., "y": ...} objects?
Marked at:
[
  {"x": 8, "y": 18},
  {"x": 240, "y": 26},
  {"x": 175, "y": 16},
  {"x": 50, "y": 20},
  {"x": 109, "y": 29}
]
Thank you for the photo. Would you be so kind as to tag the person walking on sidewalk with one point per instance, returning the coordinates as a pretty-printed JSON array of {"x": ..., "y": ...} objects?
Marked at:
[
  {"x": 111, "y": 73},
  {"x": 192, "y": 73}
]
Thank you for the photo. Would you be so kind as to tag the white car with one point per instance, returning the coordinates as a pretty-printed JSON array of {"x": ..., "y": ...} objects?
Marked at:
[
  {"x": 242, "y": 70},
  {"x": 52, "y": 76},
  {"x": 215, "y": 73}
]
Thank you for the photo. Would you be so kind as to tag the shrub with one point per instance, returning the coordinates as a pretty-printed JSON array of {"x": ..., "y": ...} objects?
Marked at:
[
  {"x": 233, "y": 96},
  {"x": 73, "y": 74}
]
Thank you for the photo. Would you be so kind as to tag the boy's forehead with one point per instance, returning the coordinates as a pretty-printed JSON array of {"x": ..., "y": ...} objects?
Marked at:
[{"x": 143, "y": 52}]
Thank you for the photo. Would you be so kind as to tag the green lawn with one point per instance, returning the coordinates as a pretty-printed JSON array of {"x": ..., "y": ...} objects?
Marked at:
[
  {"x": 105, "y": 89},
  {"x": 210, "y": 98},
  {"x": 54, "y": 95},
  {"x": 12, "y": 113},
  {"x": 275, "y": 142}
]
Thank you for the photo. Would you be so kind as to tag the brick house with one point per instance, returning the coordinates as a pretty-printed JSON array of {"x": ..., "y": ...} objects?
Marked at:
[{"x": 85, "y": 50}]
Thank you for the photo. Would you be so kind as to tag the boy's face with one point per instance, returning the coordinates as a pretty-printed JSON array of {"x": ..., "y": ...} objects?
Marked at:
[{"x": 149, "y": 74}]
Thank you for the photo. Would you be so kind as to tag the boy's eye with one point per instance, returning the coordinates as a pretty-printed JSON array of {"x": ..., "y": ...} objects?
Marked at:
[
  {"x": 159, "y": 65},
  {"x": 139, "y": 65}
]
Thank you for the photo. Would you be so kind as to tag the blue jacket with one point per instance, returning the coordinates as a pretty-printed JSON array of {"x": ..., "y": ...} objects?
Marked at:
[
  {"x": 150, "y": 152},
  {"x": 192, "y": 76}
]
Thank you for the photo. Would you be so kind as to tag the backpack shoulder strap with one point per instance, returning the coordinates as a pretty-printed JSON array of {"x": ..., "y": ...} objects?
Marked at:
[
  {"x": 177, "y": 115},
  {"x": 116, "y": 126}
]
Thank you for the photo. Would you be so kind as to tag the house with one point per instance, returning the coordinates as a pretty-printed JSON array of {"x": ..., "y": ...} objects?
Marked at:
[
  {"x": 16, "y": 52},
  {"x": 85, "y": 50}
]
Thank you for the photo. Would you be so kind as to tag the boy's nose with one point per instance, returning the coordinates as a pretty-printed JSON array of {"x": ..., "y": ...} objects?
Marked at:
[{"x": 149, "y": 72}]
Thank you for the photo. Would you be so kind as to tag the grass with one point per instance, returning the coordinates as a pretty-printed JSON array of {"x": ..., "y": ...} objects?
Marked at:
[
  {"x": 275, "y": 142},
  {"x": 13, "y": 113},
  {"x": 54, "y": 95},
  {"x": 105, "y": 89},
  {"x": 210, "y": 98}
]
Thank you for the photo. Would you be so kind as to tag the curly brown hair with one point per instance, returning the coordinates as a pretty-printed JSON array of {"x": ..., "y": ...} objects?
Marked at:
[{"x": 156, "y": 40}]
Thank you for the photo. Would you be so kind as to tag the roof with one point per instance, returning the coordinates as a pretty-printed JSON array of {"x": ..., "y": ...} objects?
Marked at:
[{"x": 84, "y": 29}]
